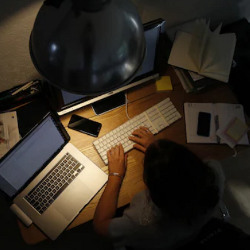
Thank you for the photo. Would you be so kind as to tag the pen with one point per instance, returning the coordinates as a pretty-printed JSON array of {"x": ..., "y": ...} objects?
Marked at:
[
  {"x": 26, "y": 86},
  {"x": 216, "y": 121}
]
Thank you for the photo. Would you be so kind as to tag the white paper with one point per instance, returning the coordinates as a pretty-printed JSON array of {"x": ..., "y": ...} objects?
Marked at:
[
  {"x": 225, "y": 112},
  {"x": 10, "y": 134}
]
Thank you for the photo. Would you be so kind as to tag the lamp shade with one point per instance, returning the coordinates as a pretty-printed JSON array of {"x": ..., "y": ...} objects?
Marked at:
[{"x": 87, "y": 46}]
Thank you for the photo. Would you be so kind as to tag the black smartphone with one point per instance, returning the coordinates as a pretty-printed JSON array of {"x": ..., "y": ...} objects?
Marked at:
[
  {"x": 203, "y": 128},
  {"x": 84, "y": 125}
]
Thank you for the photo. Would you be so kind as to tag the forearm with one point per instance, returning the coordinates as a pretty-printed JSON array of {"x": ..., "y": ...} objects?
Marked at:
[{"x": 107, "y": 205}]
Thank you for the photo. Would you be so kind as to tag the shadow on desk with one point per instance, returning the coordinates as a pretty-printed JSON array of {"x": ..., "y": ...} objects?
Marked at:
[{"x": 82, "y": 237}]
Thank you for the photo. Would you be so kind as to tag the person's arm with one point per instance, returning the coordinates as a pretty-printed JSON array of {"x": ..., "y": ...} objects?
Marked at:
[{"x": 107, "y": 204}]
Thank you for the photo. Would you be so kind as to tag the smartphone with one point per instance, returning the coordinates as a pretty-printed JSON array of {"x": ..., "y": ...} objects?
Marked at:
[
  {"x": 84, "y": 125},
  {"x": 204, "y": 120}
]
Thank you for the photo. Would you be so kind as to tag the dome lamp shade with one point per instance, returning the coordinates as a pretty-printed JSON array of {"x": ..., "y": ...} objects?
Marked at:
[{"x": 87, "y": 46}]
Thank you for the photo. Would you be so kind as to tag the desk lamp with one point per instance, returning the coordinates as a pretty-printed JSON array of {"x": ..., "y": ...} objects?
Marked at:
[{"x": 87, "y": 46}]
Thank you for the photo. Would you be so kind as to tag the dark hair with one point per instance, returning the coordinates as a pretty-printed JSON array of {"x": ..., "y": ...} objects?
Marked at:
[{"x": 179, "y": 183}]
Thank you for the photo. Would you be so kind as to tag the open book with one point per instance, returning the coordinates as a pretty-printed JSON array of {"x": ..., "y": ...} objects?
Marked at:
[
  {"x": 224, "y": 112},
  {"x": 198, "y": 49}
]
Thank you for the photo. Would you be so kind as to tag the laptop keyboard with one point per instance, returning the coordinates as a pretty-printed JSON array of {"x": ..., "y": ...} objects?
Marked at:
[{"x": 52, "y": 185}]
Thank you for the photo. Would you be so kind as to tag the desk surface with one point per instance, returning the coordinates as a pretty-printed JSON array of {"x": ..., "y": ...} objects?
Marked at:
[{"x": 140, "y": 99}]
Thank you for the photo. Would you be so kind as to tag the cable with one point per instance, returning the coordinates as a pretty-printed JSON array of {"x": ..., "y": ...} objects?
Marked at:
[{"x": 126, "y": 102}]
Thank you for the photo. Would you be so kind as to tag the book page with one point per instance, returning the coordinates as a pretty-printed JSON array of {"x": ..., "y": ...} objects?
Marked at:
[
  {"x": 218, "y": 56},
  {"x": 200, "y": 33},
  {"x": 180, "y": 52}
]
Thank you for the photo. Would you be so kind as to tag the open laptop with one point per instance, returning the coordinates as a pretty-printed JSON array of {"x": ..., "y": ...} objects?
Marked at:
[{"x": 32, "y": 175}]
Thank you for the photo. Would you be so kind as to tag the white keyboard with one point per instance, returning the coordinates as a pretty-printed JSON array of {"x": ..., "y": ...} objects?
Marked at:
[{"x": 155, "y": 119}]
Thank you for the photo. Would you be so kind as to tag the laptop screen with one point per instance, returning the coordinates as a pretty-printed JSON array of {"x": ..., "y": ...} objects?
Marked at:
[{"x": 29, "y": 156}]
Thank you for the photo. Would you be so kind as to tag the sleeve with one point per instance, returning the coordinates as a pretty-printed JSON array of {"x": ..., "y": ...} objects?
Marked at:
[{"x": 121, "y": 228}]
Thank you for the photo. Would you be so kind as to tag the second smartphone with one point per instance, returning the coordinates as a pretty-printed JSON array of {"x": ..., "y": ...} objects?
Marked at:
[
  {"x": 84, "y": 125},
  {"x": 204, "y": 120}
]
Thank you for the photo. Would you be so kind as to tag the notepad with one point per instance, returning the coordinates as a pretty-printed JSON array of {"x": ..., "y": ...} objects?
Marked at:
[
  {"x": 225, "y": 112},
  {"x": 232, "y": 132},
  {"x": 164, "y": 83}
]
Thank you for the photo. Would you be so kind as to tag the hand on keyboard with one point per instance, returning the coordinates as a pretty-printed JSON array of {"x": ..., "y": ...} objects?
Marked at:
[
  {"x": 142, "y": 137},
  {"x": 117, "y": 160}
]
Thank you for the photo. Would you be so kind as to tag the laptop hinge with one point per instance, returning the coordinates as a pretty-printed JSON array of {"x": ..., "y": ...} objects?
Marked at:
[{"x": 21, "y": 215}]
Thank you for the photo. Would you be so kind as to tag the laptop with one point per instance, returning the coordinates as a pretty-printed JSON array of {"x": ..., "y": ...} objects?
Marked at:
[{"x": 47, "y": 179}]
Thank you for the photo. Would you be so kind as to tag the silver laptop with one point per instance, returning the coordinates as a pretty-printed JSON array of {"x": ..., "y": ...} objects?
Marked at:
[{"x": 48, "y": 180}]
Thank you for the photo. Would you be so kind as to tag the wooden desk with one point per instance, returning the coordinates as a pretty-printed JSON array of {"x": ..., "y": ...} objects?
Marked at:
[{"x": 140, "y": 99}]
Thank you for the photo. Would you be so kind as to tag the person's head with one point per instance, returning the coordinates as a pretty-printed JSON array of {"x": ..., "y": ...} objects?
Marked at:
[{"x": 179, "y": 183}]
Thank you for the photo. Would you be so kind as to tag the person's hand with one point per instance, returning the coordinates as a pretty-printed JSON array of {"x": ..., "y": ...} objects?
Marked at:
[
  {"x": 117, "y": 160},
  {"x": 142, "y": 137}
]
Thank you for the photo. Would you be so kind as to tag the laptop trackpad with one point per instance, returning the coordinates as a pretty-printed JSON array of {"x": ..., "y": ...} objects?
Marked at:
[{"x": 73, "y": 199}]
